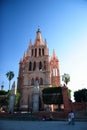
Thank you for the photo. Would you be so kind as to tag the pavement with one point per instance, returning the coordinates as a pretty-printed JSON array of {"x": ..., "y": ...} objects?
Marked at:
[{"x": 41, "y": 125}]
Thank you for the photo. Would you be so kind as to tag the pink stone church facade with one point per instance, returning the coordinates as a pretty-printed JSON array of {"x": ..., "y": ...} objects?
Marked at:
[{"x": 37, "y": 65}]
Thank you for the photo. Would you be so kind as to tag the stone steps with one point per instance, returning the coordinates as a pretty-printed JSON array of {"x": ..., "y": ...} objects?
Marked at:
[
  {"x": 79, "y": 116},
  {"x": 20, "y": 117}
]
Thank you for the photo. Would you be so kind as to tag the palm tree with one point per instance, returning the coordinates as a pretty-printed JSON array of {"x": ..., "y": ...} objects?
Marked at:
[
  {"x": 10, "y": 76},
  {"x": 2, "y": 86},
  {"x": 65, "y": 78}
]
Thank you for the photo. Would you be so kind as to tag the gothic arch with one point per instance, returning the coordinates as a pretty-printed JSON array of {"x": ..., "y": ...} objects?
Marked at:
[
  {"x": 34, "y": 65},
  {"x": 30, "y": 66},
  {"x": 44, "y": 65},
  {"x": 55, "y": 72},
  {"x": 35, "y": 52},
  {"x": 32, "y": 81},
  {"x": 39, "y": 51},
  {"x": 32, "y": 52},
  {"x": 41, "y": 81},
  {"x": 40, "y": 65},
  {"x": 43, "y": 51}
]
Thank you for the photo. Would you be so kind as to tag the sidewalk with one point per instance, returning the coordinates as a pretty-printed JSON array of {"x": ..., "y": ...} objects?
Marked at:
[{"x": 41, "y": 125}]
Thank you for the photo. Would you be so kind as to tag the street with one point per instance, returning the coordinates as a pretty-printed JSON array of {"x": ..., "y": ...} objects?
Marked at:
[{"x": 41, "y": 125}]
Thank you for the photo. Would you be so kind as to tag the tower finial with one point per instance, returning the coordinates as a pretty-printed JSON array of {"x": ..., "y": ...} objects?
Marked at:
[
  {"x": 54, "y": 55},
  {"x": 38, "y": 40},
  {"x": 38, "y": 29}
]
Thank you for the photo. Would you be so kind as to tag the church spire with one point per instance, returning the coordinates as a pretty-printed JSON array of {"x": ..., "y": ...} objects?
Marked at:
[
  {"x": 54, "y": 55},
  {"x": 38, "y": 40}
]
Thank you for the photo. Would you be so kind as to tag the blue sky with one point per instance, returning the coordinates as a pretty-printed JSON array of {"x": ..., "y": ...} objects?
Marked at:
[{"x": 62, "y": 22}]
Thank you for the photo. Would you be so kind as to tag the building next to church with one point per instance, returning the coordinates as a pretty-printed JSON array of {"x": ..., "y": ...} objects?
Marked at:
[{"x": 37, "y": 68}]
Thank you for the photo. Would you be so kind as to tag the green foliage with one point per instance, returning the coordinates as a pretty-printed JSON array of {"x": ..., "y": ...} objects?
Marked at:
[
  {"x": 10, "y": 76},
  {"x": 4, "y": 98},
  {"x": 2, "y": 92},
  {"x": 65, "y": 78},
  {"x": 80, "y": 95},
  {"x": 52, "y": 90},
  {"x": 2, "y": 86},
  {"x": 3, "y": 101},
  {"x": 52, "y": 95},
  {"x": 17, "y": 97},
  {"x": 69, "y": 93}
]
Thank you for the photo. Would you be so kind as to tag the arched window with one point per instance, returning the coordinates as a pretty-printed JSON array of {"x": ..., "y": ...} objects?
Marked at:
[
  {"x": 39, "y": 52},
  {"x": 32, "y": 81},
  {"x": 32, "y": 52},
  {"x": 44, "y": 65},
  {"x": 41, "y": 81},
  {"x": 43, "y": 52},
  {"x": 55, "y": 72},
  {"x": 34, "y": 65},
  {"x": 30, "y": 66},
  {"x": 40, "y": 65},
  {"x": 35, "y": 52}
]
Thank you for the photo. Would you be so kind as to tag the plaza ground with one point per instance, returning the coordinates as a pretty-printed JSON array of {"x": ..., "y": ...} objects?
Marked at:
[{"x": 41, "y": 125}]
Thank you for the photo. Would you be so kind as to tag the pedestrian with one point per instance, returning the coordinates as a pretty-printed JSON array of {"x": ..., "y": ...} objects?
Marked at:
[
  {"x": 43, "y": 118},
  {"x": 69, "y": 118},
  {"x": 72, "y": 118}
]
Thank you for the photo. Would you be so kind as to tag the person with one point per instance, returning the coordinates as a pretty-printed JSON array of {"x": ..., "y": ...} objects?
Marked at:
[
  {"x": 43, "y": 118},
  {"x": 72, "y": 118},
  {"x": 69, "y": 118}
]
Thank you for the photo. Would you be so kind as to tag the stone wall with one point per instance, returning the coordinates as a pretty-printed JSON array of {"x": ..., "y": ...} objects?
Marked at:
[{"x": 79, "y": 106}]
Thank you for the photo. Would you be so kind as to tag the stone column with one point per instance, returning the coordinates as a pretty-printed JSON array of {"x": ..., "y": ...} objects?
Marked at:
[
  {"x": 11, "y": 103},
  {"x": 12, "y": 99},
  {"x": 36, "y": 97}
]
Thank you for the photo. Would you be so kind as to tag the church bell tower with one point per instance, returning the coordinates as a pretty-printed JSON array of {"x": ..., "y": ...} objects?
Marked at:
[{"x": 36, "y": 65}]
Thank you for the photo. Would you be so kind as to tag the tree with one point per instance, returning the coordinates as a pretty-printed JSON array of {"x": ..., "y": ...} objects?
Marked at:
[
  {"x": 17, "y": 100},
  {"x": 52, "y": 95},
  {"x": 2, "y": 86},
  {"x": 69, "y": 93},
  {"x": 10, "y": 76},
  {"x": 65, "y": 78},
  {"x": 3, "y": 92},
  {"x": 4, "y": 98},
  {"x": 80, "y": 95},
  {"x": 17, "y": 97}
]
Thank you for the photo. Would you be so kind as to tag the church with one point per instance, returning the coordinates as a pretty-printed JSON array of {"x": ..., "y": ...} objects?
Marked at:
[{"x": 37, "y": 70}]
